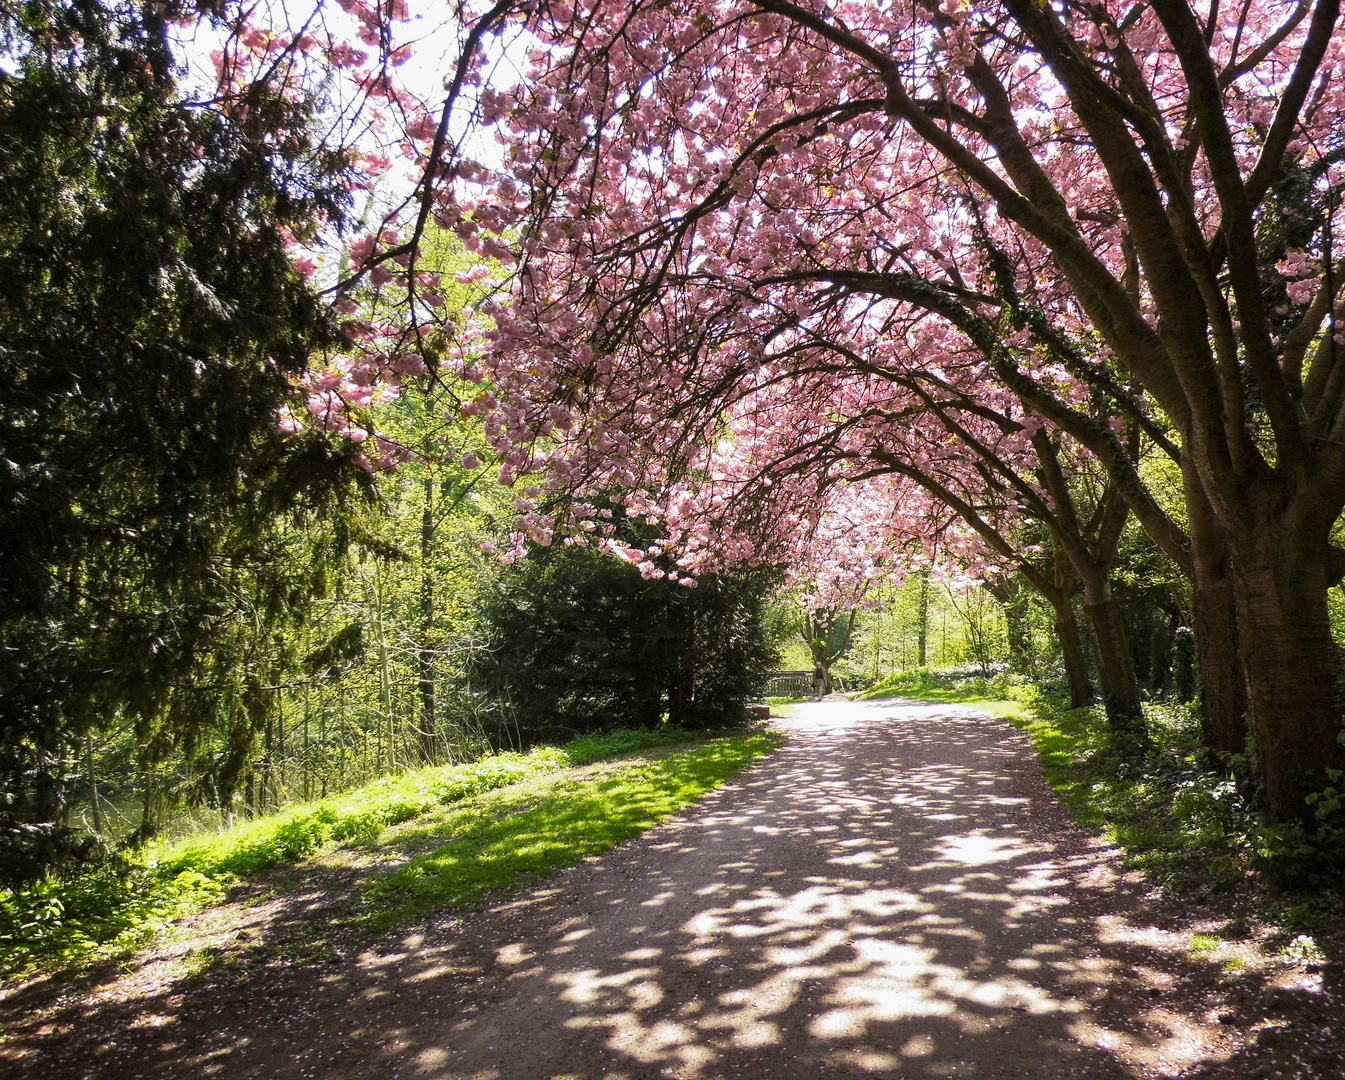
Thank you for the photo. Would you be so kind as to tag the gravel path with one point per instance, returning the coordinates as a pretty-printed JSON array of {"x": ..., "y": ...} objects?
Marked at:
[{"x": 894, "y": 893}]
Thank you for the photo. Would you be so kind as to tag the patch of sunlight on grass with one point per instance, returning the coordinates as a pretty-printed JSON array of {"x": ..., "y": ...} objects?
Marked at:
[
  {"x": 1010, "y": 710},
  {"x": 1203, "y": 946},
  {"x": 1303, "y": 950},
  {"x": 112, "y": 910},
  {"x": 518, "y": 837}
]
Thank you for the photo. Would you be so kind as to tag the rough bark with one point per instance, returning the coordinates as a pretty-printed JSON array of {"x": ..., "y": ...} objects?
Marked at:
[
  {"x": 1292, "y": 667},
  {"x": 1218, "y": 652},
  {"x": 1060, "y": 597},
  {"x": 1215, "y": 622},
  {"x": 1091, "y": 547},
  {"x": 1115, "y": 665},
  {"x": 1072, "y": 652}
]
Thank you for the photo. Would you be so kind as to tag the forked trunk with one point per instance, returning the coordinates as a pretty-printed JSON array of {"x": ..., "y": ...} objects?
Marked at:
[{"x": 1091, "y": 545}]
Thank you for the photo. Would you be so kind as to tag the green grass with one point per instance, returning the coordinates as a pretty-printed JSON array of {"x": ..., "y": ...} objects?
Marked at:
[
  {"x": 521, "y": 836},
  {"x": 297, "y": 831},
  {"x": 1180, "y": 823},
  {"x": 108, "y": 912},
  {"x": 1189, "y": 829},
  {"x": 1000, "y": 694}
]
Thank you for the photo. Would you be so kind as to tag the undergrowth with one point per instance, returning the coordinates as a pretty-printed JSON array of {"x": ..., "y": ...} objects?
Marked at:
[
  {"x": 110, "y": 910},
  {"x": 1187, "y": 825}
]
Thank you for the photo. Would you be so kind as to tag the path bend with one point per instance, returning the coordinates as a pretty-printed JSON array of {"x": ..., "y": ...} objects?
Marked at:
[{"x": 892, "y": 894}]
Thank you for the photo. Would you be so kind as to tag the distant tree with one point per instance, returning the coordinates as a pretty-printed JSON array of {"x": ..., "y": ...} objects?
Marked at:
[{"x": 827, "y": 635}]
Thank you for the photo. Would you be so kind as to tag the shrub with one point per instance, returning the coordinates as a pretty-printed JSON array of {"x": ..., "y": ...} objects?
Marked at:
[{"x": 578, "y": 642}]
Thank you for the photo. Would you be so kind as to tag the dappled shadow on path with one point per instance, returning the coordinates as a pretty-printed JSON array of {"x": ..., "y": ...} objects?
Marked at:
[{"x": 891, "y": 894}]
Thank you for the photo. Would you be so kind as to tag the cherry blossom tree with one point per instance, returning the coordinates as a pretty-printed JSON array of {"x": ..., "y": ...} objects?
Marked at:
[{"x": 1134, "y": 200}]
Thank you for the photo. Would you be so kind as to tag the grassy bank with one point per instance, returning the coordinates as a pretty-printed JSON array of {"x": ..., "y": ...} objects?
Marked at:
[
  {"x": 522, "y": 835},
  {"x": 482, "y": 839},
  {"x": 1003, "y": 695},
  {"x": 1191, "y": 828}
]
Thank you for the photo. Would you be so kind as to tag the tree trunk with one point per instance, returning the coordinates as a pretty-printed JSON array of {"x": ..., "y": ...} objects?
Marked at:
[
  {"x": 1215, "y": 618},
  {"x": 1075, "y": 659},
  {"x": 1292, "y": 667},
  {"x": 1013, "y": 602},
  {"x": 924, "y": 618},
  {"x": 1115, "y": 666},
  {"x": 268, "y": 785},
  {"x": 1277, "y": 532},
  {"x": 428, "y": 728},
  {"x": 385, "y": 762},
  {"x": 1059, "y": 593},
  {"x": 1071, "y": 648},
  {"x": 94, "y": 800},
  {"x": 1091, "y": 549},
  {"x": 1223, "y": 710},
  {"x": 1018, "y": 632}
]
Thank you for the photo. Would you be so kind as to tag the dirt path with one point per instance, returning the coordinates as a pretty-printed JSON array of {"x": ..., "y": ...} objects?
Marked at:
[{"x": 894, "y": 893}]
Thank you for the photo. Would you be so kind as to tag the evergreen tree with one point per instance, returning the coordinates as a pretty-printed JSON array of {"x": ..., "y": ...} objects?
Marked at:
[{"x": 151, "y": 325}]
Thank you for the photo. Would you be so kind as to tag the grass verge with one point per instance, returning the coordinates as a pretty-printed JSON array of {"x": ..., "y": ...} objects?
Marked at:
[
  {"x": 110, "y": 911},
  {"x": 1188, "y": 827},
  {"x": 518, "y": 837}
]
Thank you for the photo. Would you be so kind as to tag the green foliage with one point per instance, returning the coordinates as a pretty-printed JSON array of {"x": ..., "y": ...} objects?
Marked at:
[
  {"x": 358, "y": 672},
  {"x": 300, "y": 830},
  {"x": 1154, "y": 601},
  {"x": 590, "y": 748},
  {"x": 960, "y": 626},
  {"x": 827, "y": 634},
  {"x": 108, "y": 911},
  {"x": 151, "y": 325},
  {"x": 492, "y": 846},
  {"x": 577, "y": 641}
]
